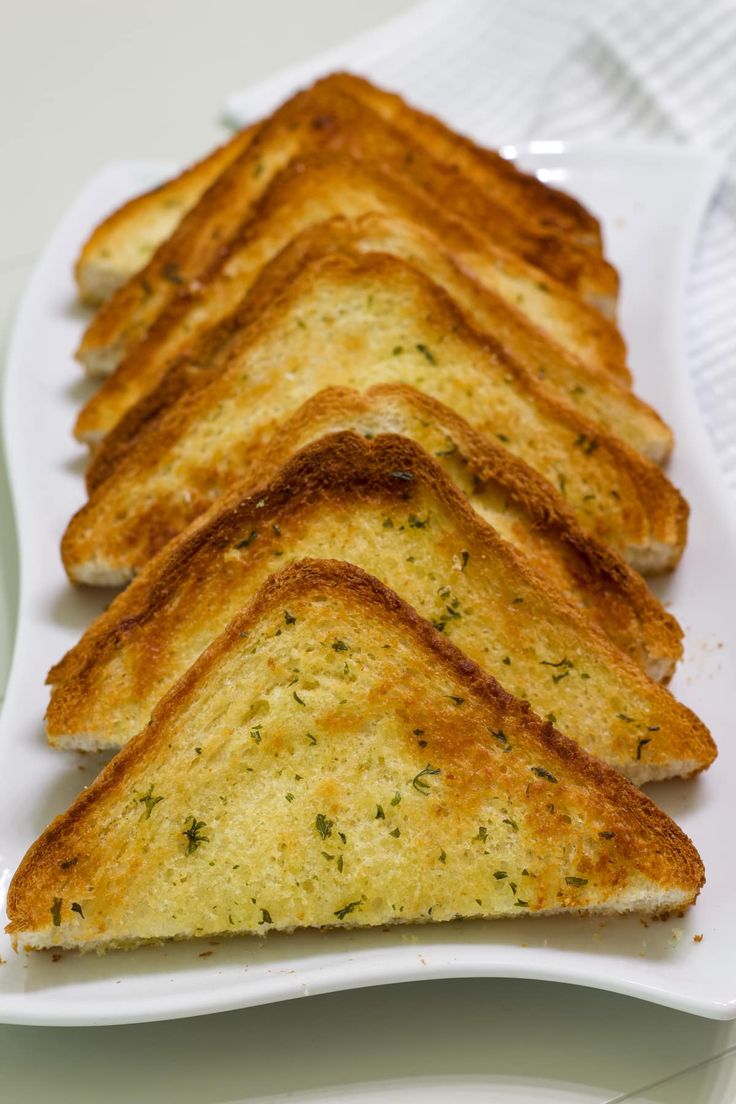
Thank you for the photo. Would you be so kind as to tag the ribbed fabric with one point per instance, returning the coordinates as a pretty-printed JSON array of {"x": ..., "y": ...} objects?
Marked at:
[
  {"x": 666, "y": 69},
  {"x": 502, "y": 70}
]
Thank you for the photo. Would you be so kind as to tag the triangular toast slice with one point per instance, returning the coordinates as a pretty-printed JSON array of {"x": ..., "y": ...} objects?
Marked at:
[
  {"x": 386, "y": 506},
  {"x": 312, "y": 121},
  {"x": 357, "y": 322},
  {"x": 125, "y": 241},
  {"x": 522, "y": 506},
  {"x": 332, "y": 760},
  {"x": 464, "y": 273}
]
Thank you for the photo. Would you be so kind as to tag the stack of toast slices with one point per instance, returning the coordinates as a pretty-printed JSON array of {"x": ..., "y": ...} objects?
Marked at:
[{"x": 367, "y": 460}]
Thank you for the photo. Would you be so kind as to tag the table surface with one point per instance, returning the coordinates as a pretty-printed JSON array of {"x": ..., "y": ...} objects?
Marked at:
[{"x": 85, "y": 83}]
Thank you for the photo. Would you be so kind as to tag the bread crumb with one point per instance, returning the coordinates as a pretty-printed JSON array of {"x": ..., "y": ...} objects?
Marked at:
[
  {"x": 2, "y": 960},
  {"x": 56, "y": 957},
  {"x": 698, "y": 938},
  {"x": 205, "y": 954},
  {"x": 676, "y": 936}
]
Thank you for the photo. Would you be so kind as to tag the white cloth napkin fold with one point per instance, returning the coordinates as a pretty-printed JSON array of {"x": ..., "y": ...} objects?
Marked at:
[{"x": 651, "y": 69}]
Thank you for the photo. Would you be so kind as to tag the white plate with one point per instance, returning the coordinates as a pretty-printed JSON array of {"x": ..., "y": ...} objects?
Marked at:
[{"x": 651, "y": 201}]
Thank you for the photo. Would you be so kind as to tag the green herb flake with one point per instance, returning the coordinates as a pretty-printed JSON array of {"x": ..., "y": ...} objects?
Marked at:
[
  {"x": 341, "y": 913},
  {"x": 511, "y": 823},
  {"x": 388, "y": 523},
  {"x": 417, "y": 523},
  {"x": 397, "y": 350},
  {"x": 76, "y": 907},
  {"x": 456, "y": 699},
  {"x": 289, "y": 618},
  {"x": 380, "y": 815},
  {"x": 574, "y": 881},
  {"x": 297, "y": 699},
  {"x": 419, "y": 782},
  {"x": 149, "y": 801},
  {"x": 506, "y": 661},
  {"x": 323, "y": 825},
  {"x": 606, "y": 835},
  {"x": 396, "y": 798},
  {"x": 465, "y": 556},
  {"x": 482, "y": 833},
  {"x": 499, "y": 875},
  {"x": 56, "y": 912},
  {"x": 623, "y": 717},
  {"x": 289, "y": 797},
  {"x": 587, "y": 444},
  {"x": 194, "y": 834},
  {"x": 642, "y": 743},
  {"x": 265, "y": 917},
  {"x": 339, "y": 863},
  {"x": 427, "y": 353},
  {"x": 312, "y": 739},
  {"x": 396, "y": 833},
  {"x": 340, "y": 646},
  {"x": 255, "y": 734},
  {"x": 443, "y": 856},
  {"x": 542, "y": 773},
  {"x": 521, "y": 904},
  {"x": 247, "y": 541}
]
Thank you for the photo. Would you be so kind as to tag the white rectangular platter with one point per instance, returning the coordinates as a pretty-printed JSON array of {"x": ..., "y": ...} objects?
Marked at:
[{"x": 650, "y": 201}]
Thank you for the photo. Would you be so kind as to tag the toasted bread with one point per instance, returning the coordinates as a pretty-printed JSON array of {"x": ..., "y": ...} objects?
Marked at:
[
  {"x": 386, "y": 506},
  {"x": 358, "y": 322},
  {"x": 126, "y": 240},
  {"x": 332, "y": 760},
  {"x": 547, "y": 209},
  {"x": 525, "y": 508},
  {"x": 468, "y": 277},
  {"x": 316, "y": 120},
  {"x": 522, "y": 507}
]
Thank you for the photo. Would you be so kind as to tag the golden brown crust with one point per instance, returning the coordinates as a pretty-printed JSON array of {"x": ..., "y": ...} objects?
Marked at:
[
  {"x": 589, "y": 572},
  {"x": 643, "y": 516},
  {"x": 331, "y": 479},
  {"x": 546, "y": 208},
  {"x": 142, "y": 223},
  {"x": 645, "y": 837},
  {"x": 446, "y": 251},
  {"x": 314, "y": 120}
]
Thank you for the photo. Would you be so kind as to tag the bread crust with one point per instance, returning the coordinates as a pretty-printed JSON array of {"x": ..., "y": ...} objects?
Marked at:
[
  {"x": 592, "y": 574},
  {"x": 643, "y": 516},
  {"x": 59, "y": 866},
  {"x": 542, "y": 206},
  {"x": 485, "y": 286},
  {"x": 317, "y": 120},
  {"x": 124, "y": 241},
  {"x": 323, "y": 491}
]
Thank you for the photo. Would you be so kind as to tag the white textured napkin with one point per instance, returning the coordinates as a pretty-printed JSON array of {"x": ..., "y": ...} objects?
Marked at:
[{"x": 654, "y": 69}]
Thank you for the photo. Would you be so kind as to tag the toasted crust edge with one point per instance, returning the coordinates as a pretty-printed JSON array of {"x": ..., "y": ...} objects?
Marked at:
[{"x": 301, "y": 578}]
